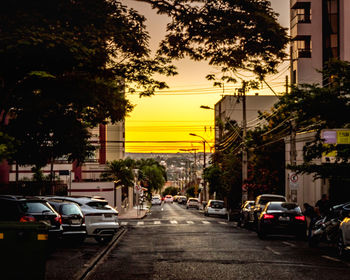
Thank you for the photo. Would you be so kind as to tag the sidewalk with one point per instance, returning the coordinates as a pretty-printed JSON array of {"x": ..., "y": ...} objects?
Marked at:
[{"x": 134, "y": 213}]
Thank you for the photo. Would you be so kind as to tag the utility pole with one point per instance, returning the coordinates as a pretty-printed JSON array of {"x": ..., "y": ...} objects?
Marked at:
[
  {"x": 244, "y": 151},
  {"x": 292, "y": 194}
]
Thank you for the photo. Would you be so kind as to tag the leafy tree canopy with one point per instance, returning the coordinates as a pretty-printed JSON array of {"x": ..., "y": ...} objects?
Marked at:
[
  {"x": 68, "y": 62},
  {"x": 230, "y": 34}
]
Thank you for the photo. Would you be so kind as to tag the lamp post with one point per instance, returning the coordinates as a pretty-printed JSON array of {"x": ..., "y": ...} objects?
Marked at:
[{"x": 206, "y": 194}]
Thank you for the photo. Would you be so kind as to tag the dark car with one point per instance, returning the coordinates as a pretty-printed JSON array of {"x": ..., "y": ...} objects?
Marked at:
[
  {"x": 30, "y": 209},
  {"x": 281, "y": 218},
  {"x": 259, "y": 205},
  {"x": 244, "y": 212},
  {"x": 73, "y": 221}
]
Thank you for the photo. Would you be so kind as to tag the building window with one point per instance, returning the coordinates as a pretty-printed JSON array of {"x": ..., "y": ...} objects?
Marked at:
[
  {"x": 330, "y": 29},
  {"x": 301, "y": 13},
  {"x": 302, "y": 47}
]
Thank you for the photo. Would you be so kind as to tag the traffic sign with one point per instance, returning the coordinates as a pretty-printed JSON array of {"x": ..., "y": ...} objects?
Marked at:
[{"x": 293, "y": 180}]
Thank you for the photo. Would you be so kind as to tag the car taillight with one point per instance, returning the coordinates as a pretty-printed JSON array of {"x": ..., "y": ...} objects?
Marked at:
[
  {"x": 27, "y": 219},
  {"x": 58, "y": 219},
  {"x": 300, "y": 218},
  {"x": 268, "y": 216}
]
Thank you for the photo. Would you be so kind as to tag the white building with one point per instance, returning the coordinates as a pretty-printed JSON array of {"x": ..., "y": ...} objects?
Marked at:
[
  {"x": 229, "y": 108},
  {"x": 320, "y": 30}
]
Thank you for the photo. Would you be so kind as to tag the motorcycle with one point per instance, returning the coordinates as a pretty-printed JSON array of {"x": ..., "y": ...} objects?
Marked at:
[{"x": 326, "y": 229}]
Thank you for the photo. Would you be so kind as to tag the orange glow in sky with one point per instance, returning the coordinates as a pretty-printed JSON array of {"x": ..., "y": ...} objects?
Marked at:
[{"x": 162, "y": 123}]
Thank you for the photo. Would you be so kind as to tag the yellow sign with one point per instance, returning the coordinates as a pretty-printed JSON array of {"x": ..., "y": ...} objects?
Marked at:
[{"x": 343, "y": 137}]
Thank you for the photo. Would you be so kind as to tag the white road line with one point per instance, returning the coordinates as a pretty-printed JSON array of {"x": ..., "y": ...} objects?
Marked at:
[
  {"x": 157, "y": 222},
  {"x": 124, "y": 223},
  {"x": 190, "y": 222},
  {"x": 289, "y": 244},
  {"x": 272, "y": 250},
  {"x": 330, "y": 258},
  {"x": 205, "y": 222},
  {"x": 223, "y": 223},
  {"x": 140, "y": 223},
  {"x": 173, "y": 222}
]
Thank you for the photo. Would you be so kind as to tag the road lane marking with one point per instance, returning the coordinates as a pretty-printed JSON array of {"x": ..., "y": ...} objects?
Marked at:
[
  {"x": 173, "y": 222},
  {"x": 124, "y": 223},
  {"x": 157, "y": 222},
  {"x": 223, "y": 223},
  {"x": 140, "y": 223},
  {"x": 289, "y": 244},
  {"x": 205, "y": 222},
  {"x": 330, "y": 258},
  {"x": 190, "y": 222},
  {"x": 272, "y": 250}
]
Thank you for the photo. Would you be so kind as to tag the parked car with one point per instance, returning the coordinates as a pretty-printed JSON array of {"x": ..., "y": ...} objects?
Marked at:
[
  {"x": 259, "y": 205},
  {"x": 215, "y": 207},
  {"x": 244, "y": 213},
  {"x": 168, "y": 198},
  {"x": 101, "y": 220},
  {"x": 182, "y": 199},
  {"x": 73, "y": 220},
  {"x": 281, "y": 218},
  {"x": 156, "y": 200},
  {"x": 343, "y": 244},
  {"x": 192, "y": 203},
  {"x": 31, "y": 209}
]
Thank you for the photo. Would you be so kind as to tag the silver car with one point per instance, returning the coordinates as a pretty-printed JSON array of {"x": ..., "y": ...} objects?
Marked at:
[{"x": 101, "y": 219}]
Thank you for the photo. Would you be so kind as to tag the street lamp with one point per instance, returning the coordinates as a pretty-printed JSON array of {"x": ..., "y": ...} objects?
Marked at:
[{"x": 204, "y": 163}]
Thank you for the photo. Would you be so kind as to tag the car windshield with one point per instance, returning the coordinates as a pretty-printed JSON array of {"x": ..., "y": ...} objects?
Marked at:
[
  {"x": 217, "y": 204},
  {"x": 265, "y": 200},
  {"x": 284, "y": 207},
  {"x": 70, "y": 209},
  {"x": 193, "y": 200},
  {"x": 34, "y": 207},
  {"x": 99, "y": 205}
]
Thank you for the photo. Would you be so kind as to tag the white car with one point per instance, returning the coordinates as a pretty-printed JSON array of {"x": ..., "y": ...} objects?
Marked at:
[
  {"x": 215, "y": 207},
  {"x": 156, "y": 200},
  {"x": 192, "y": 203},
  {"x": 101, "y": 220},
  {"x": 168, "y": 198}
]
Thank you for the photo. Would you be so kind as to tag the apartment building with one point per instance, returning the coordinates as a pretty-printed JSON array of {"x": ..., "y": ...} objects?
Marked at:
[{"x": 320, "y": 31}]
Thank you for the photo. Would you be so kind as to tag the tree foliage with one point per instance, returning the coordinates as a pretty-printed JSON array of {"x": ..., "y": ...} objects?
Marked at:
[
  {"x": 65, "y": 67},
  {"x": 230, "y": 34}
]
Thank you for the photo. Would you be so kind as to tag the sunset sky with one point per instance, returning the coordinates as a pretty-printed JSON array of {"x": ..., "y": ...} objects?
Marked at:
[{"x": 163, "y": 122}]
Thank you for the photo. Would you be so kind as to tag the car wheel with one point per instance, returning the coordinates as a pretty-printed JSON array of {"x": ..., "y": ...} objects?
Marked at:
[
  {"x": 340, "y": 245},
  {"x": 186, "y": 207},
  {"x": 261, "y": 234}
]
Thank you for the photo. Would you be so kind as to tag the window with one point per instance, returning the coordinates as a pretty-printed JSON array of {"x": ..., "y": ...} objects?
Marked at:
[{"x": 301, "y": 13}]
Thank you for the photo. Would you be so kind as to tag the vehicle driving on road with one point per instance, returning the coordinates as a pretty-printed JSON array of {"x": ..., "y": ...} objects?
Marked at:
[
  {"x": 156, "y": 200},
  {"x": 215, "y": 207},
  {"x": 192, "y": 203},
  {"x": 168, "y": 198}
]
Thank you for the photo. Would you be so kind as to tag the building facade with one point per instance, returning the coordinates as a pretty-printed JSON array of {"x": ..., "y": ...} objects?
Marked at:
[
  {"x": 229, "y": 108},
  {"x": 320, "y": 31}
]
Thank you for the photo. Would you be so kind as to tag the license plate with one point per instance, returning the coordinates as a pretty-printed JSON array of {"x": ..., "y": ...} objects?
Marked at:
[
  {"x": 108, "y": 215},
  {"x": 283, "y": 218},
  {"x": 75, "y": 221}
]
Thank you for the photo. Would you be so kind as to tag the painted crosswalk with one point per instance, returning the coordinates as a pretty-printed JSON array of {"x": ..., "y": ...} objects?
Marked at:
[{"x": 171, "y": 222}]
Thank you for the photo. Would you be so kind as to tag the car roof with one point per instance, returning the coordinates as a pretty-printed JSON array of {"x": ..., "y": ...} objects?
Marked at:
[
  {"x": 271, "y": 195},
  {"x": 21, "y": 198},
  {"x": 215, "y": 200}
]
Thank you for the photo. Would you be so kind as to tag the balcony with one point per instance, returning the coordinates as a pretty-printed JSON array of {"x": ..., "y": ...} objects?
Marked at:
[{"x": 300, "y": 18}]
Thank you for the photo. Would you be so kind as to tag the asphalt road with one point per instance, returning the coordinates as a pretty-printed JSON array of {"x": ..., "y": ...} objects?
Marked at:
[{"x": 175, "y": 243}]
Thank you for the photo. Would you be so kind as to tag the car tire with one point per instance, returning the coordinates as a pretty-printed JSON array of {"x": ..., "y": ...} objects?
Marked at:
[
  {"x": 313, "y": 241},
  {"x": 261, "y": 234},
  {"x": 186, "y": 207}
]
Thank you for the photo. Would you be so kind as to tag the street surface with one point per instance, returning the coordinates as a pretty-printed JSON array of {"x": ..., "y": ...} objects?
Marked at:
[{"x": 176, "y": 243}]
